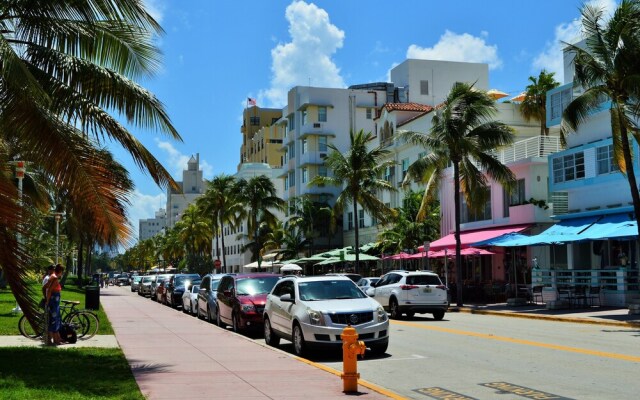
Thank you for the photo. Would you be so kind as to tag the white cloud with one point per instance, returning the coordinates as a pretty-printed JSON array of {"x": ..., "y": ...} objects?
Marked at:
[
  {"x": 306, "y": 59},
  {"x": 144, "y": 206},
  {"x": 551, "y": 58},
  {"x": 459, "y": 47},
  {"x": 156, "y": 9},
  {"x": 177, "y": 162}
]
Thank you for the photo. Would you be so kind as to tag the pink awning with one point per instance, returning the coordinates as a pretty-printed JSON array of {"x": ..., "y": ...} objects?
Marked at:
[
  {"x": 469, "y": 251},
  {"x": 399, "y": 256},
  {"x": 469, "y": 237}
]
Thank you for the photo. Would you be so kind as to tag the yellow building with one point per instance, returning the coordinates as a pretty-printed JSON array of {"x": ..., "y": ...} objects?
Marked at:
[{"x": 261, "y": 136}]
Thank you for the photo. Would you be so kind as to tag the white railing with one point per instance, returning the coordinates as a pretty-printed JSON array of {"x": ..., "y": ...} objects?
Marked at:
[{"x": 538, "y": 146}]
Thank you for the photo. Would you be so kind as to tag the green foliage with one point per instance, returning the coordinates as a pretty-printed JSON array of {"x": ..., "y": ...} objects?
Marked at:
[
  {"x": 198, "y": 263},
  {"x": 534, "y": 106},
  {"x": 539, "y": 203},
  {"x": 72, "y": 374}
]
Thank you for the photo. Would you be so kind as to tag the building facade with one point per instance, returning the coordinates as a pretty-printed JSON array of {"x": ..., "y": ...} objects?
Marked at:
[
  {"x": 261, "y": 141},
  {"x": 150, "y": 227},
  {"x": 192, "y": 186}
]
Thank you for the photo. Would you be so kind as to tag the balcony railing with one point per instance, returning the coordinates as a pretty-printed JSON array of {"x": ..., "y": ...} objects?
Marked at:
[{"x": 538, "y": 146}]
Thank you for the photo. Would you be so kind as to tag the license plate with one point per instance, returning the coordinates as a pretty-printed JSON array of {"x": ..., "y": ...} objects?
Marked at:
[{"x": 427, "y": 290}]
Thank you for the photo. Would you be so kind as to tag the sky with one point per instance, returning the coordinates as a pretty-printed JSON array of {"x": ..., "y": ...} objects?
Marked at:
[{"x": 218, "y": 53}]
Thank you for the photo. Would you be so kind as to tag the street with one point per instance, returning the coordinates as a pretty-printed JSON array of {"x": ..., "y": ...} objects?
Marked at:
[{"x": 486, "y": 357}]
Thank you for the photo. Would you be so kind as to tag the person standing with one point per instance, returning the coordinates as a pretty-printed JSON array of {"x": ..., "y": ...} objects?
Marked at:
[
  {"x": 53, "y": 301},
  {"x": 45, "y": 280}
]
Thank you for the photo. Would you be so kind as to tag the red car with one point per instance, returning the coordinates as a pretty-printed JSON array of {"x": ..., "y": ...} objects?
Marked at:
[{"x": 241, "y": 299}]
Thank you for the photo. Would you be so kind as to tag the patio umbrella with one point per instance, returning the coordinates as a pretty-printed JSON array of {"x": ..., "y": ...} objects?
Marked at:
[
  {"x": 519, "y": 97},
  {"x": 496, "y": 94},
  {"x": 290, "y": 268}
]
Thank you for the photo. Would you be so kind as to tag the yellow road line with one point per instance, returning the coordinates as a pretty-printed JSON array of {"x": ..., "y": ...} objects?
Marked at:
[
  {"x": 597, "y": 353},
  {"x": 362, "y": 382}
]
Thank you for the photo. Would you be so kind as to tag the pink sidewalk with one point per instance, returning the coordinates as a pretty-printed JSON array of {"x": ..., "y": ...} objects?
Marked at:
[{"x": 173, "y": 355}]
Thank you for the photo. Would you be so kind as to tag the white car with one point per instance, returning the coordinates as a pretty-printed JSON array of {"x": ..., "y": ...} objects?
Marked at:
[
  {"x": 404, "y": 292},
  {"x": 312, "y": 312},
  {"x": 190, "y": 299}
]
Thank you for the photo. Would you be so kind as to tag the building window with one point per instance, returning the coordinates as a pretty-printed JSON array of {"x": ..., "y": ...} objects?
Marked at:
[
  {"x": 605, "y": 160},
  {"x": 305, "y": 146},
  {"x": 405, "y": 167},
  {"x": 389, "y": 173},
  {"x": 304, "y": 117},
  {"x": 515, "y": 198},
  {"x": 424, "y": 88},
  {"x": 292, "y": 150},
  {"x": 292, "y": 178},
  {"x": 568, "y": 168},
  {"x": 254, "y": 121},
  {"x": 350, "y": 221},
  {"x": 369, "y": 113},
  {"x": 286, "y": 183},
  {"x": 274, "y": 120},
  {"x": 305, "y": 175},
  {"x": 468, "y": 215},
  {"x": 291, "y": 120},
  {"x": 422, "y": 154},
  {"x": 322, "y": 143},
  {"x": 322, "y": 170},
  {"x": 560, "y": 101},
  {"x": 360, "y": 218},
  {"x": 322, "y": 114}
]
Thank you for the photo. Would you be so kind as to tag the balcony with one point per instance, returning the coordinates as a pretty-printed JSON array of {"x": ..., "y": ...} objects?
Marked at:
[
  {"x": 312, "y": 158},
  {"x": 315, "y": 129},
  {"x": 538, "y": 146}
]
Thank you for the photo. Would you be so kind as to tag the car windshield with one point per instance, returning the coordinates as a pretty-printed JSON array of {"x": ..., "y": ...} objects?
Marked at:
[
  {"x": 137, "y": 278},
  {"x": 195, "y": 288},
  {"x": 146, "y": 279},
  {"x": 180, "y": 280},
  {"x": 423, "y": 280},
  {"x": 215, "y": 284},
  {"x": 253, "y": 286},
  {"x": 329, "y": 290}
]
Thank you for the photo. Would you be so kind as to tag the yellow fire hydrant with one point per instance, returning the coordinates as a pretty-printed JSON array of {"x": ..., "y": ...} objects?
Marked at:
[{"x": 351, "y": 348}]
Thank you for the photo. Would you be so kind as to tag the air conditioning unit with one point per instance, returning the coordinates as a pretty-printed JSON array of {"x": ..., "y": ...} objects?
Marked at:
[{"x": 317, "y": 125}]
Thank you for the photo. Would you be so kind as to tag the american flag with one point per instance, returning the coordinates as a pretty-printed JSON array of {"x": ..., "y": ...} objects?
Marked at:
[{"x": 251, "y": 101}]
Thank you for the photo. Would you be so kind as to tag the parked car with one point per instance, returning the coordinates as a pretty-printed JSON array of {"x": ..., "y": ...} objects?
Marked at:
[
  {"x": 241, "y": 299},
  {"x": 176, "y": 288},
  {"x": 161, "y": 291},
  {"x": 190, "y": 299},
  {"x": 207, "y": 302},
  {"x": 366, "y": 283},
  {"x": 122, "y": 280},
  {"x": 135, "y": 282},
  {"x": 156, "y": 282},
  {"x": 312, "y": 312},
  {"x": 144, "y": 288},
  {"x": 404, "y": 292}
]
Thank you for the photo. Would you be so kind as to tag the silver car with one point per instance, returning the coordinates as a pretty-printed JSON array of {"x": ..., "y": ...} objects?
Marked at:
[
  {"x": 144, "y": 287},
  {"x": 190, "y": 299},
  {"x": 135, "y": 282},
  {"x": 312, "y": 312},
  {"x": 207, "y": 303}
]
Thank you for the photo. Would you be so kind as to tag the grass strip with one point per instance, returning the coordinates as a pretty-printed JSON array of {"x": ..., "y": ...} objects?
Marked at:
[{"x": 66, "y": 374}]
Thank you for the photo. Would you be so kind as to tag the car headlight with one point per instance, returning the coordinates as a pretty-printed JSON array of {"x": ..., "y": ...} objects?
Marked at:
[
  {"x": 382, "y": 314},
  {"x": 248, "y": 308},
  {"x": 315, "y": 318}
]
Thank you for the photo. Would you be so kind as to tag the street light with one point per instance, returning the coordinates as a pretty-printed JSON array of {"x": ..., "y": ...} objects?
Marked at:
[{"x": 21, "y": 168}]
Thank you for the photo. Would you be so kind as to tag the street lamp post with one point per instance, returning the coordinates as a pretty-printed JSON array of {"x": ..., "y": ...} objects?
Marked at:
[
  {"x": 57, "y": 216},
  {"x": 21, "y": 168}
]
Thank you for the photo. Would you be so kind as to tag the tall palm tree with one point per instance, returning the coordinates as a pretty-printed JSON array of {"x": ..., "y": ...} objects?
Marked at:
[
  {"x": 607, "y": 68},
  {"x": 221, "y": 204},
  {"x": 260, "y": 200},
  {"x": 194, "y": 231},
  {"x": 358, "y": 172},
  {"x": 67, "y": 71},
  {"x": 464, "y": 134},
  {"x": 534, "y": 105}
]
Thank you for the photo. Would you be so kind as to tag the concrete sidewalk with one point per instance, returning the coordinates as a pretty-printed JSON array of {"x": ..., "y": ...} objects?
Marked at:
[{"x": 174, "y": 355}]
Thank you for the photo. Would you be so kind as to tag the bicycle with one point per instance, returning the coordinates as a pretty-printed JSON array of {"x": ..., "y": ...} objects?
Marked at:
[{"x": 85, "y": 322}]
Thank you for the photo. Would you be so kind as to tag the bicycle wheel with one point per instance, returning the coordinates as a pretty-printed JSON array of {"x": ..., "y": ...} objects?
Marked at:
[
  {"x": 80, "y": 323},
  {"x": 27, "y": 330},
  {"x": 89, "y": 323}
]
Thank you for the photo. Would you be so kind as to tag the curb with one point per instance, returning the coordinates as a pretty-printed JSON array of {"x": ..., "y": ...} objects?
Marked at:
[{"x": 627, "y": 324}]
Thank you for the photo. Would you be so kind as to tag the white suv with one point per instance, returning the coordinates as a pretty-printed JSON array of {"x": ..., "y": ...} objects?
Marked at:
[
  {"x": 410, "y": 293},
  {"x": 313, "y": 311}
]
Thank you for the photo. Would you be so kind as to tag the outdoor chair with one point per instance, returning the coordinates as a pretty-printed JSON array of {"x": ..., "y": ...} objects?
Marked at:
[
  {"x": 536, "y": 293},
  {"x": 594, "y": 294},
  {"x": 580, "y": 296}
]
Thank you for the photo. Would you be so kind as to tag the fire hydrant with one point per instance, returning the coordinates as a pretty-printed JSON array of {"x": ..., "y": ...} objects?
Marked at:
[{"x": 351, "y": 348}]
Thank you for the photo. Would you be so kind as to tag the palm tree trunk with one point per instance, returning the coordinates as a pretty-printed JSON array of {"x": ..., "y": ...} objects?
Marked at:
[
  {"x": 80, "y": 261},
  {"x": 224, "y": 249},
  {"x": 355, "y": 223},
  {"x": 456, "y": 234},
  {"x": 631, "y": 175}
]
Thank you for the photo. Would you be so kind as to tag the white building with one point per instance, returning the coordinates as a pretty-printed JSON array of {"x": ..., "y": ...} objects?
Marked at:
[
  {"x": 192, "y": 186},
  {"x": 236, "y": 239},
  {"x": 150, "y": 227}
]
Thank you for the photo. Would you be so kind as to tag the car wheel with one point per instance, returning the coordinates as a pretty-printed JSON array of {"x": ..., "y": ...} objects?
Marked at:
[
  {"x": 270, "y": 338},
  {"x": 209, "y": 316},
  {"x": 438, "y": 315},
  {"x": 184, "y": 308},
  {"x": 379, "y": 348},
  {"x": 218, "y": 320},
  {"x": 394, "y": 310},
  {"x": 236, "y": 322},
  {"x": 299, "y": 345},
  {"x": 410, "y": 314},
  {"x": 194, "y": 308}
]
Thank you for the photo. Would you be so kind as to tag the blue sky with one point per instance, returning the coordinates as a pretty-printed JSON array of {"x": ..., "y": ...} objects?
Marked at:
[{"x": 218, "y": 53}]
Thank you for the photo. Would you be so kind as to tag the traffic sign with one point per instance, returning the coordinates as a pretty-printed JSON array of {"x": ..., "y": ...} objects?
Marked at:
[{"x": 217, "y": 263}]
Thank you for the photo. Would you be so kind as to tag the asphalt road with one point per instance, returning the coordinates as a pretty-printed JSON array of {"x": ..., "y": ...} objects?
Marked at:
[{"x": 488, "y": 357}]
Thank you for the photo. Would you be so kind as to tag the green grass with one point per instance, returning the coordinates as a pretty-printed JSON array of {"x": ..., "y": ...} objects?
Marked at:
[
  {"x": 65, "y": 374},
  {"x": 9, "y": 321}
]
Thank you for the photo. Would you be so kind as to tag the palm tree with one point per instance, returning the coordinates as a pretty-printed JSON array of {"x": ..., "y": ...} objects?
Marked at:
[
  {"x": 358, "y": 172},
  {"x": 67, "y": 72},
  {"x": 194, "y": 231},
  {"x": 607, "y": 68},
  {"x": 534, "y": 105},
  {"x": 220, "y": 203},
  {"x": 259, "y": 198},
  {"x": 308, "y": 216},
  {"x": 463, "y": 134}
]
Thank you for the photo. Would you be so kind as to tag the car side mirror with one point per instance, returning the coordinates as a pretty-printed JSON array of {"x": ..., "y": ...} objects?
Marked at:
[
  {"x": 374, "y": 284},
  {"x": 286, "y": 298},
  {"x": 371, "y": 292}
]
